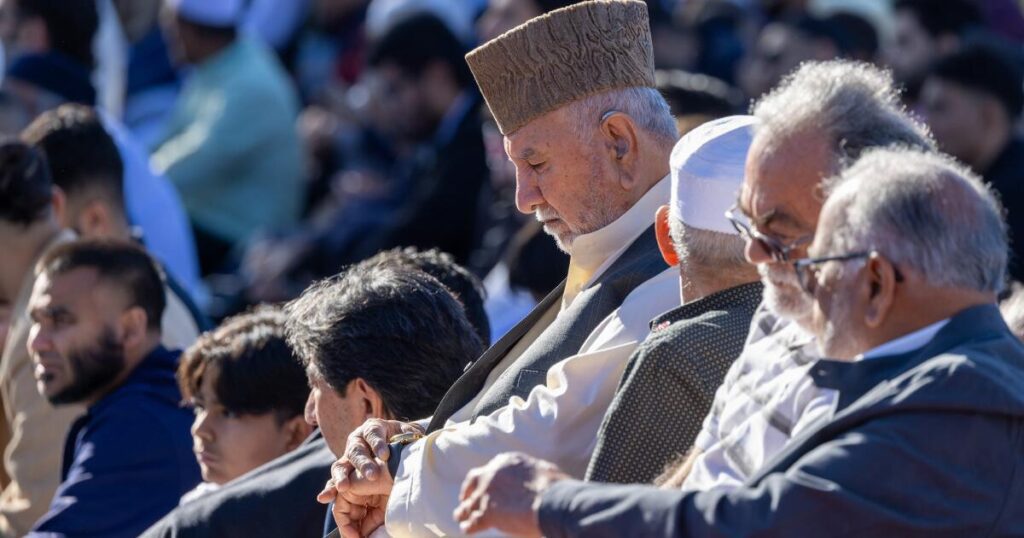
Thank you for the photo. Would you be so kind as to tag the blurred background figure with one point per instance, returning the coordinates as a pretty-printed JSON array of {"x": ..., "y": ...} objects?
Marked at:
[
  {"x": 972, "y": 101},
  {"x": 923, "y": 31},
  {"x": 230, "y": 147}
]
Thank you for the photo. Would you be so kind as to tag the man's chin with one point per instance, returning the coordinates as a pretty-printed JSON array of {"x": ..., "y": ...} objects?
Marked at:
[{"x": 786, "y": 301}]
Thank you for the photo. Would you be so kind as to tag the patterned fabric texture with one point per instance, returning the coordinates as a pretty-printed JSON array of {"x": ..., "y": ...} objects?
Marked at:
[{"x": 669, "y": 385}]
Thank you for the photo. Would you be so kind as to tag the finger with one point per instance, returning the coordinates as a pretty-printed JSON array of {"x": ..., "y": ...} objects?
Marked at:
[
  {"x": 476, "y": 522},
  {"x": 374, "y": 519},
  {"x": 470, "y": 484},
  {"x": 341, "y": 470},
  {"x": 359, "y": 453},
  {"x": 376, "y": 438},
  {"x": 328, "y": 493}
]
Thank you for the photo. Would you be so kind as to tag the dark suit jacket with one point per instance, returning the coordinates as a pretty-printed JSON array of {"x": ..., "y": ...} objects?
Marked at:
[
  {"x": 277, "y": 499},
  {"x": 928, "y": 443},
  {"x": 640, "y": 262}
]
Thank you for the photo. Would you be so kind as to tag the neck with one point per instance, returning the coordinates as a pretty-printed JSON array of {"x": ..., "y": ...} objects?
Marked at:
[
  {"x": 926, "y": 307},
  {"x": 131, "y": 362},
  {"x": 21, "y": 250},
  {"x": 697, "y": 282},
  {"x": 209, "y": 50}
]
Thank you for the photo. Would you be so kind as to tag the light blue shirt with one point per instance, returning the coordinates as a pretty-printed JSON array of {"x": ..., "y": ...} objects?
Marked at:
[
  {"x": 906, "y": 343},
  {"x": 231, "y": 147},
  {"x": 153, "y": 205}
]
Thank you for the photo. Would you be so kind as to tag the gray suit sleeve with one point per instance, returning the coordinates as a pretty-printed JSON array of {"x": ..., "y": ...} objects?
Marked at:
[{"x": 908, "y": 475}]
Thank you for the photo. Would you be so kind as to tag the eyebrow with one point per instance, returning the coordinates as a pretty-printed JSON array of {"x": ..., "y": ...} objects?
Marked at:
[
  {"x": 768, "y": 218},
  {"x": 50, "y": 312}
]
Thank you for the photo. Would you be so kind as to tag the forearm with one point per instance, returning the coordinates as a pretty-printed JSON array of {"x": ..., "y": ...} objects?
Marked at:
[{"x": 552, "y": 424}]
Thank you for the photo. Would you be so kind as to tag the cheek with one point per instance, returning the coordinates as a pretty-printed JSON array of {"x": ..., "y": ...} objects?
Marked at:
[{"x": 335, "y": 420}]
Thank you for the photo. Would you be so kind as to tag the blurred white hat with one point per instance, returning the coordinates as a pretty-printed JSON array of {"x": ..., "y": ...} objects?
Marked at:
[
  {"x": 218, "y": 13},
  {"x": 707, "y": 172}
]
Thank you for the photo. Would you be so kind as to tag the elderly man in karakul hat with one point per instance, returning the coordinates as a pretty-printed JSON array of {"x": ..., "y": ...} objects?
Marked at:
[{"x": 572, "y": 91}]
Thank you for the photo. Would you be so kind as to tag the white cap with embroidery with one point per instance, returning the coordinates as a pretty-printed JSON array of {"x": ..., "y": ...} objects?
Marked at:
[
  {"x": 218, "y": 13},
  {"x": 707, "y": 171}
]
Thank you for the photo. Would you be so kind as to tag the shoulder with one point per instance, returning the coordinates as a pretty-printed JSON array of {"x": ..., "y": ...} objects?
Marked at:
[
  {"x": 978, "y": 377},
  {"x": 288, "y": 484},
  {"x": 133, "y": 419},
  {"x": 631, "y": 321}
]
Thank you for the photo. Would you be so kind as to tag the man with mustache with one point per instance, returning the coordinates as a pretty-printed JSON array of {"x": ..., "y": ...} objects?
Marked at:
[
  {"x": 592, "y": 159},
  {"x": 817, "y": 121},
  {"x": 95, "y": 341},
  {"x": 925, "y": 432}
]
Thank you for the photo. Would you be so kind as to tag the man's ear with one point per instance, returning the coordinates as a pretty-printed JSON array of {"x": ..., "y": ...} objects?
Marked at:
[
  {"x": 661, "y": 230},
  {"x": 296, "y": 430},
  {"x": 59, "y": 203},
  {"x": 134, "y": 328},
  {"x": 371, "y": 401},
  {"x": 881, "y": 290},
  {"x": 620, "y": 136},
  {"x": 93, "y": 220}
]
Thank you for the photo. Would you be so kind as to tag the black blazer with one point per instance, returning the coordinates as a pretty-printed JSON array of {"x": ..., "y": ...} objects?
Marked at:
[{"x": 277, "y": 499}]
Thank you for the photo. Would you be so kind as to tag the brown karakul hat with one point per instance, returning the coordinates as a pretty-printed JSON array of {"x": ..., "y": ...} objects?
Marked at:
[{"x": 564, "y": 56}]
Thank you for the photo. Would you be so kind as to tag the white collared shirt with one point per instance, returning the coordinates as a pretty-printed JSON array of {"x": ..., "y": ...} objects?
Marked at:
[{"x": 557, "y": 421}]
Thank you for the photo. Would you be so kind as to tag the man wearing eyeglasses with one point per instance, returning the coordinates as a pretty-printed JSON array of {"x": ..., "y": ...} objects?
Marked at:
[
  {"x": 763, "y": 401},
  {"x": 925, "y": 435}
]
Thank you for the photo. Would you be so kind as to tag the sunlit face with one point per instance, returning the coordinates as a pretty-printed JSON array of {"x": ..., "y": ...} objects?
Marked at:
[
  {"x": 336, "y": 415},
  {"x": 911, "y": 49},
  {"x": 228, "y": 445},
  {"x": 780, "y": 197},
  {"x": 836, "y": 304},
  {"x": 563, "y": 177},
  {"x": 402, "y": 106},
  {"x": 75, "y": 337},
  {"x": 954, "y": 114}
]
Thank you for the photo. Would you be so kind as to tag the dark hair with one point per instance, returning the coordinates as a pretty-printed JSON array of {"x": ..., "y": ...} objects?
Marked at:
[
  {"x": 71, "y": 25},
  {"x": 465, "y": 286},
  {"x": 26, "y": 189},
  {"x": 693, "y": 93},
  {"x": 396, "y": 328},
  {"x": 550, "y": 5},
  {"x": 986, "y": 69},
  {"x": 257, "y": 372},
  {"x": 941, "y": 17},
  {"x": 79, "y": 150},
  {"x": 118, "y": 263},
  {"x": 415, "y": 42}
]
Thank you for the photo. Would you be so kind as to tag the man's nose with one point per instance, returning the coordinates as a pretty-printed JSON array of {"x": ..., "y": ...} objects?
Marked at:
[
  {"x": 756, "y": 253},
  {"x": 528, "y": 196}
]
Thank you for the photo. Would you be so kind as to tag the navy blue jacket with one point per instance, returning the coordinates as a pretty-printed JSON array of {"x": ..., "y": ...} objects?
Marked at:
[
  {"x": 128, "y": 460},
  {"x": 928, "y": 443}
]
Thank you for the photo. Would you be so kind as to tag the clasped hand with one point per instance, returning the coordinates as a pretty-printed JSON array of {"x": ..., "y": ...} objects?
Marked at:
[{"x": 360, "y": 483}]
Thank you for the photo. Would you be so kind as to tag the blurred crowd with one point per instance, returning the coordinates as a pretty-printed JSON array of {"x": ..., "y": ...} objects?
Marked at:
[{"x": 299, "y": 229}]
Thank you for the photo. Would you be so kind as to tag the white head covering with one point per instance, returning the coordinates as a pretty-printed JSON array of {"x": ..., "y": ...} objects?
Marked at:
[
  {"x": 218, "y": 13},
  {"x": 707, "y": 172}
]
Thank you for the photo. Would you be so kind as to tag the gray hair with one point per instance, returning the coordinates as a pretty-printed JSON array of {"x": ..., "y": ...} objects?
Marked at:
[
  {"x": 707, "y": 248},
  {"x": 924, "y": 211},
  {"x": 646, "y": 106},
  {"x": 856, "y": 103}
]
